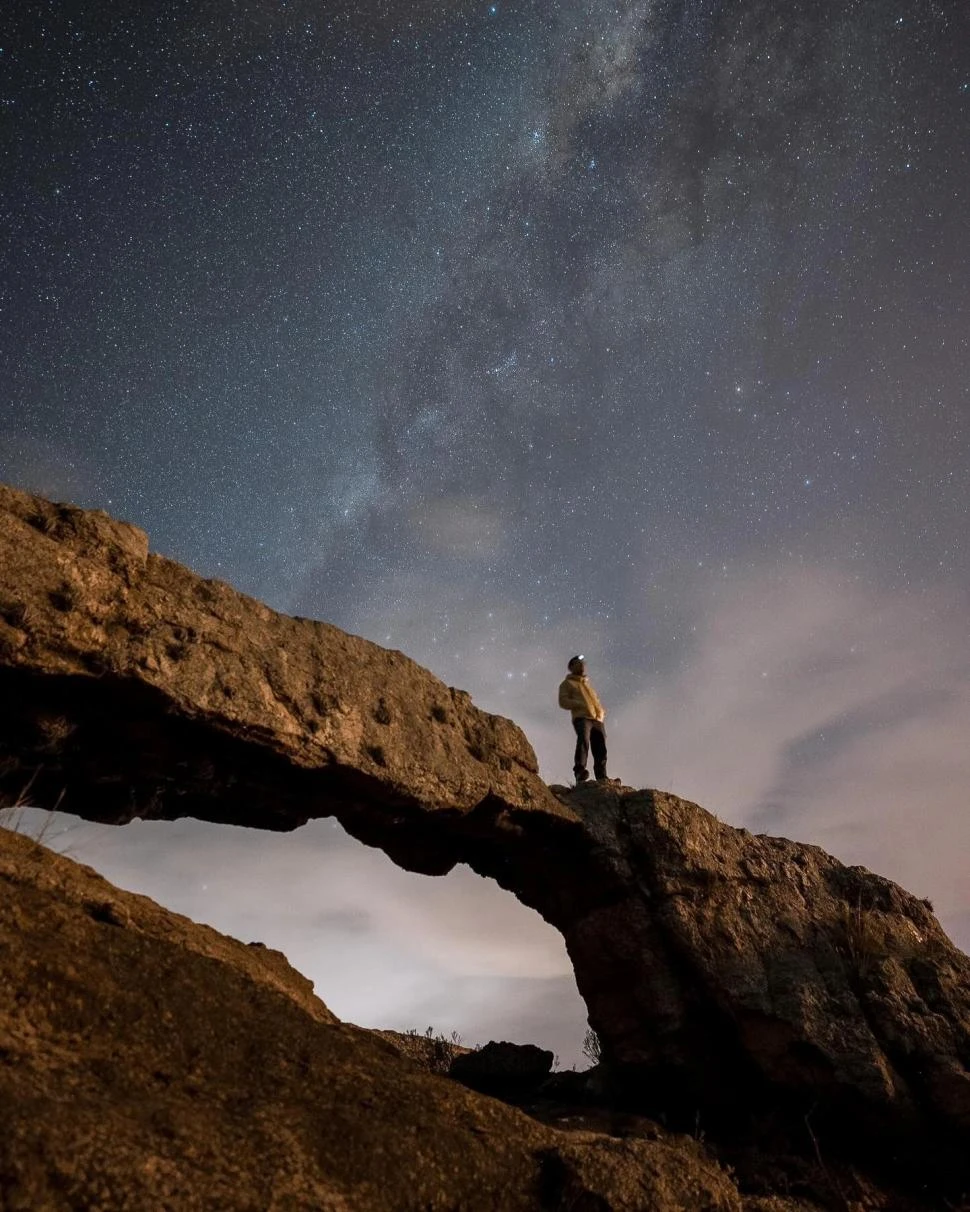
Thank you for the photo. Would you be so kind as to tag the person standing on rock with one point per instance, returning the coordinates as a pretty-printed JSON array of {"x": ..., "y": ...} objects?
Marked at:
[{"x": 577, "y": 696}]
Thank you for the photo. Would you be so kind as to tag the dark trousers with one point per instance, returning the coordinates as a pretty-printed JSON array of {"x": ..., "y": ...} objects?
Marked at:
[{"x": 590, "y": 734}]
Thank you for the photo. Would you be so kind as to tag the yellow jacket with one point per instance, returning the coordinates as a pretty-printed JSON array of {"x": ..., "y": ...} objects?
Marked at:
[{"x": 579, "y": 697}]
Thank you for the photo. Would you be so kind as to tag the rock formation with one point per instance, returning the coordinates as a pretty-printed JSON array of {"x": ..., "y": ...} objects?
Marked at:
[
  {"x": 734, "y": 981},
  {"x": 136, "y": 688},
  {"x": 147, "y": 1063}
]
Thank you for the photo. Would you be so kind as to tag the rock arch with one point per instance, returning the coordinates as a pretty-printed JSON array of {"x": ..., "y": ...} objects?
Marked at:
[{"x": 724, "y": 973}]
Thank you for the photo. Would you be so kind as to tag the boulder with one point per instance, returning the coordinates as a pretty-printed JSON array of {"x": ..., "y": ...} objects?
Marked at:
[
  {"x": 507, "y": 1070},
  {"x": 726, "y": 969}
]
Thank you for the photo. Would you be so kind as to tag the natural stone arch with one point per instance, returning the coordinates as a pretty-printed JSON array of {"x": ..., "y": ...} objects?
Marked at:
[{"x": 722, "y": 971}]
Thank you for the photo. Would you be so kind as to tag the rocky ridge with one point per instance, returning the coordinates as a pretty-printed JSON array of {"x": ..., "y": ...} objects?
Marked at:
[{"x": 734, "y": 981}]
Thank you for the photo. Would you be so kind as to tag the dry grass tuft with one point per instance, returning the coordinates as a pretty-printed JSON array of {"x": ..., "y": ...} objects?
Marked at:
[
  {"x": 17, "y": 816},
  {"x": 868, "y": 938},
  {"x": 441, "y": 1050}
]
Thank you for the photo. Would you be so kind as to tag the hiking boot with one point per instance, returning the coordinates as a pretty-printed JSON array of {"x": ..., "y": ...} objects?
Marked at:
[{"x": 581, "y": 776}]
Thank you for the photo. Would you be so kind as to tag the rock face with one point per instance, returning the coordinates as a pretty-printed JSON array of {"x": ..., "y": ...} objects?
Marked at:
[
  {"x": 733, "y": 971},
  {"x": 734, "y": 981},
  {"x": 135, "y": 688},
  {"x": 147, "y": 1062}
]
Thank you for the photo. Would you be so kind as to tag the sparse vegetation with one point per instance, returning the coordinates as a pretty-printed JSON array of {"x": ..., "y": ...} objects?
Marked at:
[
  {"x": 592, "y": 1048},
  {"x": 14, "y": 612},
  {"x": 46, "y": 523},
  {"x": 64, "y": 599},
  {"x": 868, "y": 939},
  {"x": 441, "y": 1049},
  {"x": 862, "y": 939},
  {"x": 19, "y": 815}
]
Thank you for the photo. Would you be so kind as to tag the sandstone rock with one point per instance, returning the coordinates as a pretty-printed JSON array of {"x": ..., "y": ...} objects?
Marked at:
[
  {"x": 136, "y": 688},
  {"x": 734, "y": 981},
  {"x": 732, "y": 972},
  {"x": 502, "y": 1068},
  {"x": 148, "y": 1063}
]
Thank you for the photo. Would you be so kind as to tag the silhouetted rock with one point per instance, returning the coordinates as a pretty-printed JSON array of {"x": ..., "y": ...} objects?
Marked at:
[
  {"x": 503, "y": 1069},
  {"x": 734, "y": 981}
]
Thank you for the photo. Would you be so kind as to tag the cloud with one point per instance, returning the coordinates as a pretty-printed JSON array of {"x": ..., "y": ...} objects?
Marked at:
[
  {"x": 829, "y": 711},
  {"x": 545, "y": 1011}
]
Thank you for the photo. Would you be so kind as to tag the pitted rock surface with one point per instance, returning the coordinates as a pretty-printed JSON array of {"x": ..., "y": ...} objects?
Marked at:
[
  {"x": 132, "y": 687},
  {"x": 760, "y": 962},
  {"x": 733, "y": 979},
  {"x": 149, "y": 1063}
]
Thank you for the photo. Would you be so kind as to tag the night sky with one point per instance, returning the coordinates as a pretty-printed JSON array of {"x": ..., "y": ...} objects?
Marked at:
[{"x": 499, "y": 332}]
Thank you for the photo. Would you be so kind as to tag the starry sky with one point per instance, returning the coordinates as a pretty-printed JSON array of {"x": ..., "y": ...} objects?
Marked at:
[{"x": 497, "y": 332}]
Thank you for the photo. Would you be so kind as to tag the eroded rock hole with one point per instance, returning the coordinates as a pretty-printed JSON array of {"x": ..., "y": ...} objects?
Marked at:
[{"x": 385, "y": 948}]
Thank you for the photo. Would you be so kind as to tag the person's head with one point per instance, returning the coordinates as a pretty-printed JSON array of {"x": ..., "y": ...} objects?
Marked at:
[{"x": 577, "y": 665}]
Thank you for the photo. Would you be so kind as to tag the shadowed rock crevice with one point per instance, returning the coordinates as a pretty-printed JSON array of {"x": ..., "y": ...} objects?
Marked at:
[{"x": 733, "y": 979}]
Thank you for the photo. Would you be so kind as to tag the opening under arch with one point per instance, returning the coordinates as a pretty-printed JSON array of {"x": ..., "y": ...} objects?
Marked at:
[{"x": 384, "y": 947}]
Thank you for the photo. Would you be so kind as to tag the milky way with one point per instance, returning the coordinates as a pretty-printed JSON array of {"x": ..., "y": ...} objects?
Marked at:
[{"x": 501, "y": 331}]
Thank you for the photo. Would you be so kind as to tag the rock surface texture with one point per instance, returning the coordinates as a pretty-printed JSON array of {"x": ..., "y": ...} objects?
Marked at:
[
  {"x": 744, "y": 984},
  {"x": 150, "y": 1063},
  {"x": 134, "y": 688}
]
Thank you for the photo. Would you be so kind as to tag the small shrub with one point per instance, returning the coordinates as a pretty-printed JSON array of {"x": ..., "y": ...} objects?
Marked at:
[
  {"x": 46, "y": 523},
  {"x": 440, "y": 1049},
  {"x": 64, "y": 599},
  {"x": 862, "y": 941},
  {"x": 868, "y": 937},
  {"x": 18, "y": 815},
  {"x": 16, "y": 613}
]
